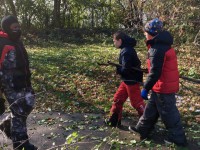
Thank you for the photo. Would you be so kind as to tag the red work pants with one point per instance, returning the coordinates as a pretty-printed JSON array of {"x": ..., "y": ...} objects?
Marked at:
[{"x": 124, "y": 91}]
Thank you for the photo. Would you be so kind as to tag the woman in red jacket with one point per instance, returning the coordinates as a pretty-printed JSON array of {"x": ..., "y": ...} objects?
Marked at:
[{"x": 163, "y": 81}]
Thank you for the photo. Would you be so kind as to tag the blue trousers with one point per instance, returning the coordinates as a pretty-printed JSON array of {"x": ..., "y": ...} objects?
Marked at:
[{"x": 164, "y": 106}]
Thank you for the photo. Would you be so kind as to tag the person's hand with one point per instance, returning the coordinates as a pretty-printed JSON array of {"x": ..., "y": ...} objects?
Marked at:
[{"x": 144, "y": 94}]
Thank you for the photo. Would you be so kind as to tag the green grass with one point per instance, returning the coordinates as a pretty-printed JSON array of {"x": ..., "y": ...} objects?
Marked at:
[{"x": 70, "y": 74}]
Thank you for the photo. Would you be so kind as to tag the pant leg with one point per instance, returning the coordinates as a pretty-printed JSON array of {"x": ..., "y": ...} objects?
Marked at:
[
  {"x": 119, "y": 98},
  {"x": 5, "y": 126},
  {"x": 2, "y": 102},
  {"x": 170, "y": 116},
  {"x": 147, "y": 121},
  {"x": 135, "y": 98},
  {"x": 21, "y": 104}
]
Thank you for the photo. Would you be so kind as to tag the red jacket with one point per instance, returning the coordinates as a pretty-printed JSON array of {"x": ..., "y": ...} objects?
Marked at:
[
  {"x": 169, "y": 79},
  {"x": 162, "y": 64}
]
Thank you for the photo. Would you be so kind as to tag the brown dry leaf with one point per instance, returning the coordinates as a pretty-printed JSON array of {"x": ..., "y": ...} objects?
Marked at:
[{"x": 197, "y": 118}]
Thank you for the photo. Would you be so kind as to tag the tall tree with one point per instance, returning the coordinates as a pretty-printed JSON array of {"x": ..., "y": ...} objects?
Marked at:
[
  {"x": 56, "y": 14},
  {"x": 64, "y": 10}
]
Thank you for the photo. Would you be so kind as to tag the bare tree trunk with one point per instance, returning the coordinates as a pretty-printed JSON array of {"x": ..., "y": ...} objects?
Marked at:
[
  {"x": 63, "y": 13},
  {"x": 110, "y": 7},
  {"x": 92, "y": 23},
  {"x": 12, "y": 7},
  {"x": 56, "y": 14},
  {"x": 134, "y": 17}
]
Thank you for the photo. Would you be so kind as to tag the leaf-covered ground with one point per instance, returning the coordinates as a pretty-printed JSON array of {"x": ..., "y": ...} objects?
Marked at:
[
  {"x": 67, "y": 79},
  {"x": 72, "y": 131}
]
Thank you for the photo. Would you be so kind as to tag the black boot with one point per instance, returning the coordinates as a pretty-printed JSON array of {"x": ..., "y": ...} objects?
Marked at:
[
  {"x": 5, "y": 126},
  {"x": 2, "y": 106},
  {"x": 170, "y": 142},
  {"x": 113, "y": 121},
  {"x": 134, "y": 130},
  {"x": 24, "y": 146}
]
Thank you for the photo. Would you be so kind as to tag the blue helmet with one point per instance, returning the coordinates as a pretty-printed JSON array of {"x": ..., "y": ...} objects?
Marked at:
[{"x": 153, "y": 27}]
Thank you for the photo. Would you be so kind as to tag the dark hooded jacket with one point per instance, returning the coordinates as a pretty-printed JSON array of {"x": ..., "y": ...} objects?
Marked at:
[
  {"x": 128, "y": 58},
  {"x": 14, "y": 64},
  {"x": 163, "y": 74}
]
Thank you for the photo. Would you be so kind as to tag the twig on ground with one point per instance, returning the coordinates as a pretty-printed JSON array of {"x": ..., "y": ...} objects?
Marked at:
[{"x": 190, "y": 89}]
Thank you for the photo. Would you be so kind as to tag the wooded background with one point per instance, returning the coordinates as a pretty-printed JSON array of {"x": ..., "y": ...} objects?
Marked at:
[
  {"x": 66, "y": 39},
  {"x": 181, "y": 17}
]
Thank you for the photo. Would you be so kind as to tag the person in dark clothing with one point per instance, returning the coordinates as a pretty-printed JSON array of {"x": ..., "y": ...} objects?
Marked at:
[
  {"x": 15, "y": 83},
  {"x": 163, "y": 81},
  {"x": 129, "y": 86}
]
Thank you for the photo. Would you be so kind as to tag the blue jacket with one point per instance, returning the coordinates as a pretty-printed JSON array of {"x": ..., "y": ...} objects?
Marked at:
[{"x": 128, "y": 58}]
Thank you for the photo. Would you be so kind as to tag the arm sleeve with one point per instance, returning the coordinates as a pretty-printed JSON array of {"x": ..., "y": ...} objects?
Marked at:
[
  {"x": 156, "y": 59},
  {"x": 8, "y": 65},
  {"x": 126, "y": 64},
  {"x": 9, "y": 61}
]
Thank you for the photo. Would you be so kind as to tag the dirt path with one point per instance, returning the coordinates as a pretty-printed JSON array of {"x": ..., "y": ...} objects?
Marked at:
[{"x": 49, "y": 131}]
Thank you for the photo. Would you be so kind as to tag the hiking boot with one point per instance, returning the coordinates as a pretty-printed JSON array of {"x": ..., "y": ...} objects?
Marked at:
[
  {"x": 112, "y": 124},
  {"x": 24, "y": 146},
  {"x": 134, "y": 130},
  {"x": 5, "y": 126},
  {"x": 170, "y": 142},
  {"x": 29, "y": 146},
  {"x": 113, "y": 121},
  {"x": 2, "y": 106}
]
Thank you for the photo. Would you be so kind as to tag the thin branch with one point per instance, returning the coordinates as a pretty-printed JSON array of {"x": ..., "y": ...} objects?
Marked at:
[
  {"x": 190, "y": 79},
  {"x": 196, "y": 39},
  {"x": 22, "y": 98},
  {"x": 190, "y": 89}
]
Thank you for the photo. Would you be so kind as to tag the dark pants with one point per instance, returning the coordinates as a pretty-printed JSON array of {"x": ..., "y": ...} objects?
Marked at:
[
  {"x": 21, "y": 104},
  {"x": 163, "y": 105}
]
